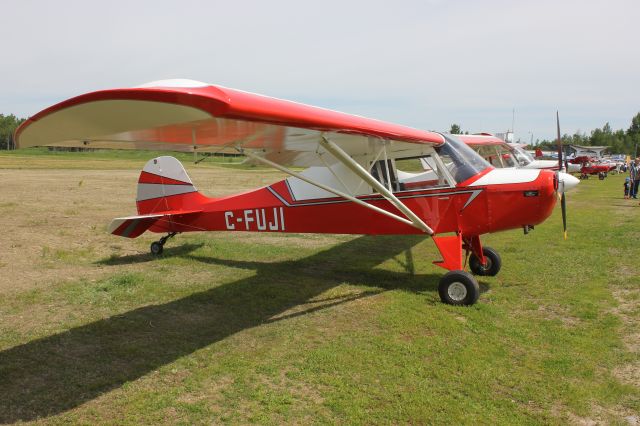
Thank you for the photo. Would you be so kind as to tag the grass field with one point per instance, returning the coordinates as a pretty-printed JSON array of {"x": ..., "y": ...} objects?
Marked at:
[{"x": 272, "y": 329}]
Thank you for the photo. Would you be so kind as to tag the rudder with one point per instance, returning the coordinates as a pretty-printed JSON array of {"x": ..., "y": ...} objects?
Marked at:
[{"x": 164, "y": 185}]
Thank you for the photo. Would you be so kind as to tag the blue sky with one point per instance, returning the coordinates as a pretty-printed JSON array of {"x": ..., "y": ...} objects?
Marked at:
[{"x": 425, "y": 64}]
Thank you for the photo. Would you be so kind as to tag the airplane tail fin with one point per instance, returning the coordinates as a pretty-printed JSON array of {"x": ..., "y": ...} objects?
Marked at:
[
  {"x": 164, "y": 186},
  {"x": 167, "y": 201}
]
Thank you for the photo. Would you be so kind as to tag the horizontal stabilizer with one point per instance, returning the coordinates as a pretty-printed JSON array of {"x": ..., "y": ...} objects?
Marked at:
[{"x": 134, "y": 226}]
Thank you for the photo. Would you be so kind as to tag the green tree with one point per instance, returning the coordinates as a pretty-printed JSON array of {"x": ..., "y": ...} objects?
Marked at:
[
  {"x": 634, "y": 130},
  {"x": 8, "y": 125},
  {"x": 455, "y": 129},
  {"x": 619, "y": 141}
]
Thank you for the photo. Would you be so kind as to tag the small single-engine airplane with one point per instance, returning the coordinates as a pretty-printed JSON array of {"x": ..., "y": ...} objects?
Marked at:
[
  {"x": 592, "y": 166},
  {"x": 353, "y": 183},
  {"x": 502, "y": 154}
]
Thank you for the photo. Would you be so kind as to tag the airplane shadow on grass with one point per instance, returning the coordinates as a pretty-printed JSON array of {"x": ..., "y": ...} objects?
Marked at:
[{"x": 57, "y": 373}]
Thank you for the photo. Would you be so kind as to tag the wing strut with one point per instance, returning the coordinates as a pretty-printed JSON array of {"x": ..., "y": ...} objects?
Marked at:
[
  {"x": 329, "y": 189},
  {"x": 353, "y": 165}
]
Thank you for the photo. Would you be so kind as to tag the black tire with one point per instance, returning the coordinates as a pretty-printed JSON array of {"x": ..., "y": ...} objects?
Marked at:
[
  {"x": 458, "y": 288},
  {"x": 156, "y": 248},
  {"x": 491, "y": 269}
]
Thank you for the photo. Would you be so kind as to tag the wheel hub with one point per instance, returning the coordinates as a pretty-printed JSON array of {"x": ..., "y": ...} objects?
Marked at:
[
  {"x": 487, "y": 264},
  {"x": 457, "y": 291}
]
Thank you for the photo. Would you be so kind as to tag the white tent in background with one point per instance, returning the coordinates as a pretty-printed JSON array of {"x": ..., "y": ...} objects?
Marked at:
[{"x": 589, "y": 151}]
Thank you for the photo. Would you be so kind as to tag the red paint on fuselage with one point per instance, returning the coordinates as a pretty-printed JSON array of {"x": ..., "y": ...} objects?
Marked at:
[{"x": 494, "y": 208}]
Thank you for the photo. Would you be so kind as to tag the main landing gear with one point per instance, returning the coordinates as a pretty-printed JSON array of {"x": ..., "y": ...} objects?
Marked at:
[
  {"x": 158, "y": 246},
  {"x": 458, "y": 287}
]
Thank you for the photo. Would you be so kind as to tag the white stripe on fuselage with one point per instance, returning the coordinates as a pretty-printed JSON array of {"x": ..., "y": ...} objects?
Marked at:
[
  {"x": 149, "y": 191},
  {"x": 506, "y": 176}
]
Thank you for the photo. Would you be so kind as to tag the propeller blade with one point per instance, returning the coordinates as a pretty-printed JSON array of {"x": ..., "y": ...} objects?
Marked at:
[
  {"x": 559, "y": 142},
  {"x": 563, "y": 199},
  {"x": 563, "y": 205}
]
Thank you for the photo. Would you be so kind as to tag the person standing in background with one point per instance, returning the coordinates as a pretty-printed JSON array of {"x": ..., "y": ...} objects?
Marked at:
[
  {"x": 627, "y": 187},
  {"x": 634, "y": 174}
]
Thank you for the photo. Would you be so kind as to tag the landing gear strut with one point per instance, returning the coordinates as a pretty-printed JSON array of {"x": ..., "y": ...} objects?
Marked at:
[{"x": 158, "y": 246}]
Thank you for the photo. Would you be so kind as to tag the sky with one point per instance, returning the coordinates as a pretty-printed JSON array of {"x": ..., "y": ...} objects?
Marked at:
[{"x": 425, "y": 64}]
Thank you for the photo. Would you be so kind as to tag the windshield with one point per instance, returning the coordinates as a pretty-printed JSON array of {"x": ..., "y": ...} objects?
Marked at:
[
  {"x": 461, "y": 161},
  {"x": 497, "y": 155},
  {"x": 522, "y": 156}
]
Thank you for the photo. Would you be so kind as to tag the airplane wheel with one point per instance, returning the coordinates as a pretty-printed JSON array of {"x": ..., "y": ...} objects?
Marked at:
[
  {"x": 156, "y": 248},
  {"x": 458, "y": 288},
  {"x": 491, "y": 268}
]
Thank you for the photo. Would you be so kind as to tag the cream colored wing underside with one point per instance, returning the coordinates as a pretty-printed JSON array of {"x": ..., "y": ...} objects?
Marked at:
[{"x": 149, "y": 125}]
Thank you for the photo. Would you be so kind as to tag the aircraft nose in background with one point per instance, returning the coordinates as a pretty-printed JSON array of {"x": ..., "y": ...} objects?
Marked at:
[{"x": 568, "y": 181}]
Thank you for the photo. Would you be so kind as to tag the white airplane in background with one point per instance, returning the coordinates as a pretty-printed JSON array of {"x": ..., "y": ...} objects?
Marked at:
[{"x": 502, "y": 154}]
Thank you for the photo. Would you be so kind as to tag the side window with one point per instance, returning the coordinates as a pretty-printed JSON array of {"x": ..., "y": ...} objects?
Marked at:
[
  {"x": 508, "y": 158},
  {"x": 422, "y": 172},
  {"x": 497, "y": 156},
  {"x": 489, "y": 153},
  {"x": 384, "y": 172}
]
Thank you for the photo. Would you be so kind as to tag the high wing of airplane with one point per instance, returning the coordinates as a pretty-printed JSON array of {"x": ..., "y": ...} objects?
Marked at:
[{"x": 362, "y": 176}]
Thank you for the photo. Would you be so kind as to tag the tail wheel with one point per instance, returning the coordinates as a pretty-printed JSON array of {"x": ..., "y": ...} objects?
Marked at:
[
  {"x": 492, "y": 265},
  {"x": 156, "y": 248},
  {"x": 458, "y": 288}
]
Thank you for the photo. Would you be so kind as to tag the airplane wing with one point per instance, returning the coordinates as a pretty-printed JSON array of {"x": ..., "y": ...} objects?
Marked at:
[
  {"x": 185, "y": 115},
  {"x": 481, "y": 139}
]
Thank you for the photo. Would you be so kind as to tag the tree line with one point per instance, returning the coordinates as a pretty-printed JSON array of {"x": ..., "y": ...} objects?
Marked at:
[
  {"x": 619, "y": 141},
  {"x": 8, "y": 125}
]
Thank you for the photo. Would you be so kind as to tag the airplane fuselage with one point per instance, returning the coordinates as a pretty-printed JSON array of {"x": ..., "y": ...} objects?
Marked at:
[{"x": 477, "y": 207}]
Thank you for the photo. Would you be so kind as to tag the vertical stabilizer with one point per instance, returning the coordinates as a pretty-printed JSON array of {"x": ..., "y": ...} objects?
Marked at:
[{"x": 164, "y": 185}]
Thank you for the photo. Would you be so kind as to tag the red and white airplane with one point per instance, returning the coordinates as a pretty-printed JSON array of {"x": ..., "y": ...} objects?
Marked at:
[
  {"x": 592, "y": 166},
  {"x": 353, "y": 182},
  {"x": 502, "y": 154}
]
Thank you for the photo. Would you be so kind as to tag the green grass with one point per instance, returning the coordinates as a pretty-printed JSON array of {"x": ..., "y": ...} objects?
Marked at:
[
  {"x": 112, "y": 154},
  {"x": 42, "y": 157},
  {"x": 270, "y": 330}
]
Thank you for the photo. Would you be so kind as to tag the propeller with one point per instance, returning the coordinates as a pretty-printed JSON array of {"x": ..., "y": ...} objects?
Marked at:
[{"x": 563, "y": 200}]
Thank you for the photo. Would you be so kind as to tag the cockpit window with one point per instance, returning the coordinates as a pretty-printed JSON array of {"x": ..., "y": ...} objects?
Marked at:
[
  {"x": 522, "y": 156},
  {"x": 497, "y": 155},
  {"x": 406, "y": 174},
  {"x": 446, "y": 165},
  {"x": 426, "y": 171},
  {"x": 384, "y": 172},
  {"x": 461, "y": 161}
]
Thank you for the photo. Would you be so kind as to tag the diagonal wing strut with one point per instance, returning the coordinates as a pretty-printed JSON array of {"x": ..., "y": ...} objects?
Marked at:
[
  {"x": 356, "y": 168},
  {"x": 411, "y": 218}
]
